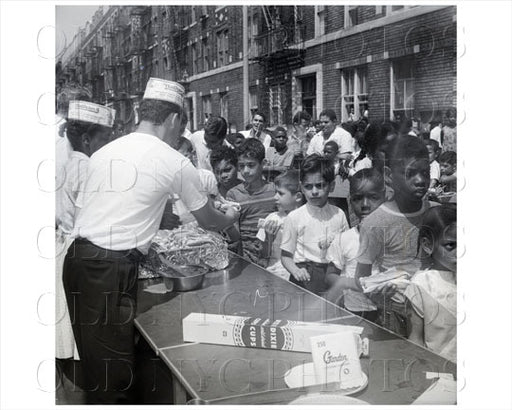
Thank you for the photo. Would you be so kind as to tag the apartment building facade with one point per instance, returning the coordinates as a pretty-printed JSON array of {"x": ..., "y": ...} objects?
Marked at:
[{"x": 391, "y": 61}]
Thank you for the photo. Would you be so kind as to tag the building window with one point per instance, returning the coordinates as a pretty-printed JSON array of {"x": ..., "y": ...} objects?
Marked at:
[
  {"x": 393, "y": 9},
  {"x": 320, "y": 20},
  {"x": 167, "y": 67},
  {"x": 351, "y": 18},
  {"x": 308, "y": 94},
  {"x": 205, "y": 54},
  {"x": 402, "y": 91},
  {"x": 222, "y": 48},
  {"x": 190, "y": 113},
  {"x": 276, "y": 102},
  {"x": 195, "y": 59},
  {"x": 354, "y": 91},
  {"x": 380, "y": 10},
  {"x": 193, "y": 13},
  {"x": 207, "y": 106},
  {"x": 253, "y": 33},
  {"x": 224, "y": 110},
  {"x": 253, "y": 100}
]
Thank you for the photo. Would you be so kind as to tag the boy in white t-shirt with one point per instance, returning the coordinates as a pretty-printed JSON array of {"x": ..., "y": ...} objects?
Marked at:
[
  {"x": 309, "y": 230},
  {"x": 435, "y": 169},
  {"x": 288, "y": 197},
  {"x": 367, "y": 192}
]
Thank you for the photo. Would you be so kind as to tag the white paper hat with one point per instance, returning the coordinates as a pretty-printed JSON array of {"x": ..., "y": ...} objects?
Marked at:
[
  {"x": 91, "y": 112},
  {"x": 165, "y": 90}
]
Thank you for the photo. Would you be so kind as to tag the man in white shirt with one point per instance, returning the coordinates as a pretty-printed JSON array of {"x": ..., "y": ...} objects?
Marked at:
[
  {"x": 204, "y": 141},
  {"x": 89, "y": 127},
  {"x": 258, "y": 125},
  {"x": 435, "y": 132},
  {"x": 332, "y": 132},
  {"x": 128, "y": 183}
]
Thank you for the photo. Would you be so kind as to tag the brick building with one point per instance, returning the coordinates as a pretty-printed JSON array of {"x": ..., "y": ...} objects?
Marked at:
[{"x": 394, "y": 61}]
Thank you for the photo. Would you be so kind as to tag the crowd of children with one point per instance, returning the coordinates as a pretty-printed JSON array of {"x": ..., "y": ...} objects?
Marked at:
[{"x": 397, "y": 235}]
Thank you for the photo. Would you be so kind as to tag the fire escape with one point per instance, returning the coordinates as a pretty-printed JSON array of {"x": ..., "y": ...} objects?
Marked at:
[
  {"x": 174, "y": 39},
  {"x": 280, "y": 50}
]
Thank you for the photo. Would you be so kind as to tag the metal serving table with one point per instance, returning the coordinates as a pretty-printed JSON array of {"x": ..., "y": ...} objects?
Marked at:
[{"x": 213, "y": 374}]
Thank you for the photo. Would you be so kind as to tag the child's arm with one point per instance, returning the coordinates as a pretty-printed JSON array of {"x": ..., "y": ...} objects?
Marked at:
[
  {"x": 446, "y": 179},
  {"x": 415, "y": 325},
  {"x": 362, "y": 270},
  {"x": 337, "y": 284},
  {"x": 300, "y": 274},
  {"x": 266, "y": 248}
]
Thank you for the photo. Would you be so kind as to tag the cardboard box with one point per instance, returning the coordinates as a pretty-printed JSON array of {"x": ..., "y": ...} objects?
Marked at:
[{"x": 256, "y": 332}]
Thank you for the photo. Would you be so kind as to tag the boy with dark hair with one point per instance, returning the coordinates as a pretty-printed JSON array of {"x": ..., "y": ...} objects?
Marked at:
[
  {"x": 389, "y": 235},
  {"x": 235, "y": 139},
  {"x": 435, "y": 170},
  {"x": 448, "y": 165},
  {"x": 280, "y": 156},
  {"x": 224, "y": 162},
  {"x": 213, "y": 135},
  {"x": 255, "y": 195},
  {"x": 309, "y": 230}
]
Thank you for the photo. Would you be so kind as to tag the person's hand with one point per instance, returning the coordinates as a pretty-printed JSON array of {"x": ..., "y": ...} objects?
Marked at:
[
  {"x": 232, "y": 213},
  {"x": 387, "y": 289},
  {"x": 301, "y": 275},
  {"x": 272, "y": 227}
]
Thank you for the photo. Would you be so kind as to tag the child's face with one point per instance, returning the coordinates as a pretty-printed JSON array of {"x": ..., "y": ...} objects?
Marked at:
[
  {"x": 330, "y": 152},
  {"x": 316, "y": 190},
  {"x": 444, "y": 252},
  {"x": 188, "y": 153},
  {"x": 431, "y": 153},
  {"x": 366, "y": 198},
  {"x": 225, "y": 173},
  {"x": 446, "y": 168},
  {"x": 238, "y": 141},
  {"x": 411, "y": 180},
  {"x": 250, "y": 168},
  {"x": 286, "y": 201},
  {"x": 319, "y": 127},
  {"x": 280, "y": 140}
]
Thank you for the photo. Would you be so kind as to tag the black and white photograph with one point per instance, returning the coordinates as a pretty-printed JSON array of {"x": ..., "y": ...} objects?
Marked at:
[{"x": 257, "y": 205}]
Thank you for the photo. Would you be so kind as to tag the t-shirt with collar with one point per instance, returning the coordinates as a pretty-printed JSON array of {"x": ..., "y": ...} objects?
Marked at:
[
  {"x": 305, "y": 227},
  {"x": 343, "y": 138},
  {"x": 389, "y": 239},
  {"x": 129, "y": 181},
  {"x": 275, "y": 159},
  {"x": 251, "y": 213}
]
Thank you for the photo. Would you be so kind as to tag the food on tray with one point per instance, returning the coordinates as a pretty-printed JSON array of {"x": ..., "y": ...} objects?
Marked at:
[{"x": 187, "y": 250}]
